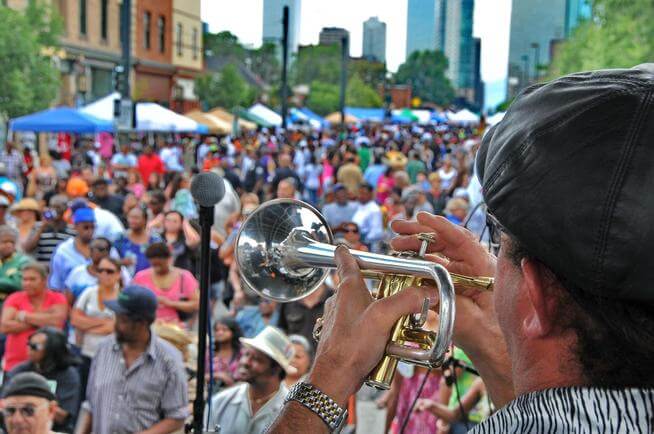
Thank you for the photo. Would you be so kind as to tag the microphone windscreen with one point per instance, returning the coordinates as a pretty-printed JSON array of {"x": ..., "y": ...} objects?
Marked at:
[{"x": 207, "y": 189}]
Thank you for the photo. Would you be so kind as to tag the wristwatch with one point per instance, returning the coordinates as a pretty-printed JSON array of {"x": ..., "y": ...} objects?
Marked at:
[{"x": 317, "y": 401}]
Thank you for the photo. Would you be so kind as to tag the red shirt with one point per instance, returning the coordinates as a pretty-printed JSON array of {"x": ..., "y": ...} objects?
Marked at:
[
  {"x": 149, "y": 164},
  {"x": 16, "y": 344}
]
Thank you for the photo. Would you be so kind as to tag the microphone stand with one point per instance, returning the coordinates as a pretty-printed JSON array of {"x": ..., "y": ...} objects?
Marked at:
[{"x": 206, "y": 221}]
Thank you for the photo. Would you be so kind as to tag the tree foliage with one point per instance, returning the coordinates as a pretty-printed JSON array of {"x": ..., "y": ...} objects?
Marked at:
[
  {"x": 317, "y": 63},
  {"x": 323, "y": 98},
  {"x": 359, "y": 94},
  {"x": 225, "y": 89},
  {"x": 224, "y": 44},
  {"x": 425, "y": 72},
  {"x": 619, "y": 34},
  {"x": 29, "y": 78},
  {"x": 263, "y": 61}
]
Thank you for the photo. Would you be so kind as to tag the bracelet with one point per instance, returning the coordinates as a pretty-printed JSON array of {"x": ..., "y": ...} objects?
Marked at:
[{"x": 318, "y": 402}]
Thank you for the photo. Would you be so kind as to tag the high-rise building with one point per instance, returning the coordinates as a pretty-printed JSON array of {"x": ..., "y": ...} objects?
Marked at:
[
  {"x": 374, "y": 40},
  {"x": 273, "y": 13},
  {"x": 460, "y": 46},
  {"x": 477, "y": 83},
  {"x": 332, "y": 35},
  {"x": 536, "y": 27},
  {"x": 424, "y": 30}
]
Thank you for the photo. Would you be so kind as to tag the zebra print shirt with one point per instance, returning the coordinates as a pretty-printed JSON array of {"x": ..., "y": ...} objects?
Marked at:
[{"x": 575, "y": 410}]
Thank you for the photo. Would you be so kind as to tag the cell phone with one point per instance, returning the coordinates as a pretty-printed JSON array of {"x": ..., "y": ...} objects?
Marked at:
[{"x": 49, "y": 214}]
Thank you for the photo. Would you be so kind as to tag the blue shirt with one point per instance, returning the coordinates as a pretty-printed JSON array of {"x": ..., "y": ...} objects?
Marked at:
[
  {"x": 373, "y": 173},
  {"x": 251, "y": 322},
  {"x": 65, "y": 258},
  {"x": 127, "y": 248}
]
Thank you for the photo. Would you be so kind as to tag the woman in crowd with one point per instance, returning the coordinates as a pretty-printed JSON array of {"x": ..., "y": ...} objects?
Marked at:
[
  {"x": 182, "y": 239},
  {"x": 134, "y": 183},
  {"x": 311, "y": 181},
  {"x": 27, "y": 213},
  {"x": 302, "y": 359},
  {"x": 132, "y": 245},
  {"x": 42, "y": 179},
  {"x": 350, "y": 233},
  {"x": 91, "y": 319},
  {"x": 227, "y": 351},
  {"x": 50, "y": 357},
  {"x": 176, "y": 289}
]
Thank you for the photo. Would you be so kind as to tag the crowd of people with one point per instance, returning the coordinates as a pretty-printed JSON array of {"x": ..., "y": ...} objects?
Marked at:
[{"x": 98, "y": 275}]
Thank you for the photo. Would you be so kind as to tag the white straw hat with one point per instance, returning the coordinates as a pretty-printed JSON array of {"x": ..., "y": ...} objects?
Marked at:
[{"x": 275, "y": 344}]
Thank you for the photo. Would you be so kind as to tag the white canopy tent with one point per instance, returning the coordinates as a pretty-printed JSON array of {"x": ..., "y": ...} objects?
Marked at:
[
  {"x": 266, "y": 114},
  {"x": 149, "y": 116},
  {"x": 492, "y": 120},
  {"x": 463, "y": 117}
]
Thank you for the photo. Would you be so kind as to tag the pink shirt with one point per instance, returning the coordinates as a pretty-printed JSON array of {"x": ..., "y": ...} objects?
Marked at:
[
  {"x": 16, "y": 345},
  {"x": 183, "y": 287}
]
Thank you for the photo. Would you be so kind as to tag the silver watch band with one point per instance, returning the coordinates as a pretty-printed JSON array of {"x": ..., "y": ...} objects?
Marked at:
[{"x": 319, "y": 403}]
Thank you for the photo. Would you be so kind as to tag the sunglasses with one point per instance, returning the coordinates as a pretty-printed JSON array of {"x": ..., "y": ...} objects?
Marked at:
[
  {"x": 26, "y": 411},
  {"x": 351, "y": 230},
  {"x": 35, "y": 347},
  {"x": 107, "y": 270},
  {"x": 100, "y": 248}
]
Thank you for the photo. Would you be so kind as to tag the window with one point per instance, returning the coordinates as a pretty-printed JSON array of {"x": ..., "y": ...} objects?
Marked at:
[
  {"x": 146, "y": 30},
  {"x": 161, "y": 27},
  {"x": 104, "y": 16},
  {"x": 82, "y": 17},
  {"x": 179, "y": 39},
  {"x": 195, "y": 44}
]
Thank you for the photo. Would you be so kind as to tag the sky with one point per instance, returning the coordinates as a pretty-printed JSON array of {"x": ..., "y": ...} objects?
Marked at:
[{"x": 244, "y": 18}]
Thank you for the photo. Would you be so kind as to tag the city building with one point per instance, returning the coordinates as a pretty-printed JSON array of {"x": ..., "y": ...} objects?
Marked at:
[
  {"x": 333, "y": 36},
  {"x": 425, "y": 27},
  {"x": 537, "y": 26},
  {"x": 460, "y": 47},
  {"x": 187, "y": 54},
  {"x": 374, "y": 40},
  {"x": 273, "y": 13},
  {"x": 90, "y": 48},
  {"x": 153, "y": 66},
  {"x": 477, "y": 83}
]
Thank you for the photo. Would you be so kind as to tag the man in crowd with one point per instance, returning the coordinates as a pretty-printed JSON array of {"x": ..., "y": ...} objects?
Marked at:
[
  {"x": 137, "y": 381},
  {"x": 286, "y": 189},
  {"x": 27, "y": 310},
  {"x": 101, "y": 196},
  {"x": 11, "y": 262},
  {"x": 298, "y": 317},
  {"x": 341, "y": 210},
  {"x": 13, "y": 163},
  {"x": 74, "y": 251},
  {"x": 285, "y": 170},
  {"x": 350, "y": 175},
  {"x": 28, "y": 404},
  {"x": 565, "y": 342},
  {"x": 149, "y": 163},
  {"x": 369, "y": 218},
  {"x": 124, "y": 161},
  {"x": 54, "y": 230},
  {"x": 251, "y": 406}
]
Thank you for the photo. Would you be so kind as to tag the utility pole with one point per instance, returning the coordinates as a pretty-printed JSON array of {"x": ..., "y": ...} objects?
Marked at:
[
  {"x": 125, "y": 114},
  {"x": 285, "y": 66},
  {"x": 345, "y": 52}
]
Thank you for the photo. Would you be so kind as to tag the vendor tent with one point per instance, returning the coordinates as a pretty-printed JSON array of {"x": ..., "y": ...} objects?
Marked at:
[
  {"x": 492, "y": 120},
  {"x": 463, "y": 117},
  {"x": 266, "y": 114},
  {"x": 366, "y": 114},
  {"x": 335, "y": 118},
  {"x": 213, "y": 123},
  {"x": 313, "y": 116},
  {"x": 149, "y": 116},
  {"x": 229, "y": 118},
  {"x": 245, "y": 114},
  {"x": 60, "y": 120}
]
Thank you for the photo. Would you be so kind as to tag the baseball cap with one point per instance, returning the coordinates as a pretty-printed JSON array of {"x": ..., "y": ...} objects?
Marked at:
[
  {"x": 28, "y": 384},
  {"x": 135, "y": 301},
  {"x": 568, "y": 172},
  {"x": 83, "y": 215},
  {"x": 77, "y": 187}
]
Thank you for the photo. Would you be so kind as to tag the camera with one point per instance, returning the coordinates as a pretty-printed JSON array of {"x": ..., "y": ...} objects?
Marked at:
[{"x": 49, "y": 214}]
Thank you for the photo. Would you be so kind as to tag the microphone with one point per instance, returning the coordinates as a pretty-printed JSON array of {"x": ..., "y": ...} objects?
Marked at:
[{"x": 207, "y": 189}]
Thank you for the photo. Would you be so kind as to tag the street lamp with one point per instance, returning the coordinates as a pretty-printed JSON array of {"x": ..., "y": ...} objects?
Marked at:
[{"x": 536, "y": 47}]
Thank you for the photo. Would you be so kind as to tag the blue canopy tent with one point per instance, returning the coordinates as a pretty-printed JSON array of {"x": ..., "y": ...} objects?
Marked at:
[
  {"x": 60, "y": 120},
  {"x": 366, "y": 114},
  {"x": 313, "y": 116}
]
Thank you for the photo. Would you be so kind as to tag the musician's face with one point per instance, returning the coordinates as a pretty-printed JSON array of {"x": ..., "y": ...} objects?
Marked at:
[{"x": 508, "y": 297}]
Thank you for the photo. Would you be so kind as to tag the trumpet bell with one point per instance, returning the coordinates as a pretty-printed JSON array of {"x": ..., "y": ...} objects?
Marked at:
[{"x": 263, "y": 244}]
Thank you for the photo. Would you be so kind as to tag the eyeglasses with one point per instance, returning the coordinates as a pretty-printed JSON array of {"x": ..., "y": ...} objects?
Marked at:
[
  {"x": 107, "y": 270},
  {"x": 495, "y": 230},
  {"x": 100, "y": 248},
  {"x": 25, "y": 411},
  {"x": 35, "y": 346}
]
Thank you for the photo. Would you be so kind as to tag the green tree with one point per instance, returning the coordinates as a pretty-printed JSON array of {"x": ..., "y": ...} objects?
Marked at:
[
  {"x": 320, "y": 63},
  {"x": 323, "y": 98},
  {"x": 372, "y": 73},
  {"x": 263, "y": 61},
  {"x": 619, "y": 34},
  {"x": 224, "y": 44},
  {"x": 359, "y": 94},
  {"x": 425, "y": 72},
  {"x": 29, "y": 78},
  {"x": 225, "y": 89}
]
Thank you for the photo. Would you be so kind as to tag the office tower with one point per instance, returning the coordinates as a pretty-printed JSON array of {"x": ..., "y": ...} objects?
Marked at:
[{"x": 374, "y": 40}]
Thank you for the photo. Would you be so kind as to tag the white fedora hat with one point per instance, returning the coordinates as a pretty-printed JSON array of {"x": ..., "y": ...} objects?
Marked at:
[{"x": 275, "y": 344}]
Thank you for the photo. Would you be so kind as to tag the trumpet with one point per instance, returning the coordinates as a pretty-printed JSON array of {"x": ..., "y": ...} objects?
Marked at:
[{"x": 285, "y": 250}]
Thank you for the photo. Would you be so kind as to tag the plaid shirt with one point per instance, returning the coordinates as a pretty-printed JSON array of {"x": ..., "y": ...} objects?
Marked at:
[
  {"x": 13, "y": 162},
  {"x": 128, "y": 400}
]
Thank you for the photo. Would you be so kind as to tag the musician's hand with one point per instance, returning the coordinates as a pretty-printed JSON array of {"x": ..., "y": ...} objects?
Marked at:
[
  {"x": 356, "y": 329},
  {"x": 476, "y": 329}
]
